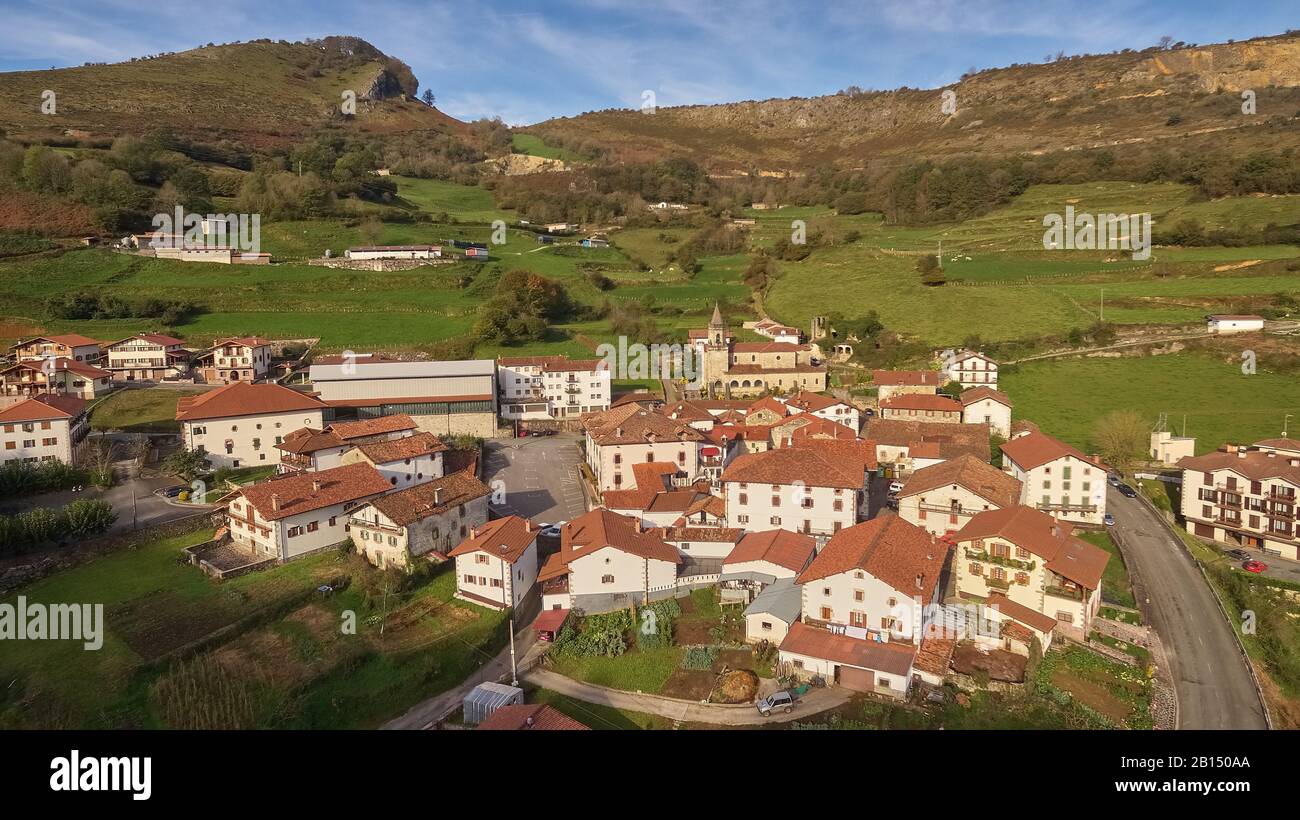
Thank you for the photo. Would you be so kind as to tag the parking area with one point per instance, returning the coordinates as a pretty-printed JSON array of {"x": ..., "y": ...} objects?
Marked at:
[{"x": 539, "y": 476}]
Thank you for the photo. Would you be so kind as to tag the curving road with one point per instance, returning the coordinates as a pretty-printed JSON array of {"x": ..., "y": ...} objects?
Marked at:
[{"x": 1214, "y": 685}]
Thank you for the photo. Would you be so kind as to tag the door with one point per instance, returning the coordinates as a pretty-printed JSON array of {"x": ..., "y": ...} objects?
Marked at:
[{"x": 851, "y": 677}]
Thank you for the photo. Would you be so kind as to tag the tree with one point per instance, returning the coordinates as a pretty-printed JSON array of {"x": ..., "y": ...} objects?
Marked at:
[
  {"x": 185, "y": 464},
  {"x": 1121, "y": 437},
  {"x": 428, "y": 97}
]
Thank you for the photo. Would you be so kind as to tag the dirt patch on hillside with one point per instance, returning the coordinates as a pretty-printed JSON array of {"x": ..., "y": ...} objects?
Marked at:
[
  {"x": 737, "y": 686},
  {"x": 689, "y": 684},
  {"x": 1093, "y": 695}
]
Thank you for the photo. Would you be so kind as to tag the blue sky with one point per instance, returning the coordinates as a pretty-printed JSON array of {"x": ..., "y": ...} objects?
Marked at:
[{"x": 528, "y": 61}]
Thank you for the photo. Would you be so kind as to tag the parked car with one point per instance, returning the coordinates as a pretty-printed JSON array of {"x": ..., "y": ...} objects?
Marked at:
[
  {"x": 1254, "y": 566},
  {"x": 1241, "y": 554},
  {"x": 783, "y": 700},
  {"x": 1126, "y": 491},
  {"x": 539, "y": 433},
  {"x": 551, "y": 530},
  {"x": 1113, "y": 479},
  {"x": 1109, "y": 519},
  {"x": 895, "y": 487}
]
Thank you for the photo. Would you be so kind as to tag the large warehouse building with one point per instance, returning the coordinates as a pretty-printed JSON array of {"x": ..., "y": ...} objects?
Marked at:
[{"x": 443, "y": 397}]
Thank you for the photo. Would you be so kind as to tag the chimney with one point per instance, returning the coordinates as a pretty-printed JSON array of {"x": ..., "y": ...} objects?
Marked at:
[
  {"x": 919, "y": 579},
  {"x": 437, "y": 495},
  {"x": 1056, "y": 531},
  {"x": 528, "y": 525},
  {"x": 473, "y": 533},
  {"x": 618, "y": 432},
  {"x": 275, "y": 502},
  {"x": 528, "y": 721},
  {"x": 315, "y": 485},
  {"x": 1241, "y": 452}
]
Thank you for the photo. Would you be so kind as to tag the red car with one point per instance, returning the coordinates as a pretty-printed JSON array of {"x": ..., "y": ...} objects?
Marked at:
[{"x": 1254, "y": 566}]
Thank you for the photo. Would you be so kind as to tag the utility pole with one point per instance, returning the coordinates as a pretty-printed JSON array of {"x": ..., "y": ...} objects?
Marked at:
[
  {"x": 940, "y": 254},
  {"x": 1101, "y": 315},
  {"x": 1286, "y": 423}
]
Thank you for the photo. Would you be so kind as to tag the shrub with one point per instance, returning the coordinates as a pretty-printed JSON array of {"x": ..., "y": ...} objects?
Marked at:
[{"x": 699, "y": 657}]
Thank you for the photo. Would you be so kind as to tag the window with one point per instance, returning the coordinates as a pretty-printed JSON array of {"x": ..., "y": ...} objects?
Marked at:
[
  {"x": 607, "y": 579},
  {"x": 1022, "y": 553},
  {"x": 766, "y": 626},
  {"x": 743, "y": 498},
  {"x": 1022, "y": 578},
  {"x": 858, "y": 595},
  {"x": 976, "y": 569},
  {"x": 827, "y": 613},
  {"x": 313, "y": 526},
  {"x": 480, "y": 558},
  {"x": 1065, "y": 617},
  {"x": 838, "y": 506},
  {"x": 776, "y": 500},
  {"x": 776, "y": 520},
  {"x": 295, "y": 532}
]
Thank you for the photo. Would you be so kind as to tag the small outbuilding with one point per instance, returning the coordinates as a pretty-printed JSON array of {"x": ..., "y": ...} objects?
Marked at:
[{"x": 486, "y": 698}]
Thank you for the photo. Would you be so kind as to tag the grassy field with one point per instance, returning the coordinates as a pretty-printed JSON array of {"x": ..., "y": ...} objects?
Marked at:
[
  {"x": 1003, "y": 284},
  {"x": 535, "y": 146},
  {"x": 283, "y": 661},
  {"x": 151, "y": 410},
  {"x": 1220, "y": 403}
]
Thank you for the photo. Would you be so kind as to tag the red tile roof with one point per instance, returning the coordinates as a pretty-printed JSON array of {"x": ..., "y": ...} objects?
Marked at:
[
  {"x": 812, "y": 402},
  {"x": 968, "y": 471},
  {"x": 507, "y": 538},
  {"x": 1020, "y": 612},
  {"x": 405, "y": 507},
  {"x": 67, "y": 339},
  {"x": 812, "y": 642},
  {"x": 975, "y": 394},
  {"x": 769, "y": 347},
  {"x": 1041, "y": 534},
  {"x": 1035, "y": 449},
  {"x": 244, "y": 399},
  {"x": 632, "y": 424},
  {"x": 787, "y": 549},
  {"x": 305, "y": 492},
  {"x": 153, "y": 338},
  {"x": 43, "y": 408},
  {"x": 307, "y": 440},
  {"x": 602, "y": 528},
  {"x": 791, "y": 464},
  {"x": 395, "y": 423},
  {"x": 889, "y": 549},
  {"x": 530, "y": 716},
  {"x": 922, "y": 401},
  {"x": 398, "y": 449},
  {"x": 1255, "y": 465}
]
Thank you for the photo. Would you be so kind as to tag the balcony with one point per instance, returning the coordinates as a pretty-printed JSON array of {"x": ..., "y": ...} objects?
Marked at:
[
  {"x": 1013, "y": 563},
  {"x": 1067, "y": 508},
  {"x": 556, "y": 586},
  {"x": 1069, "y": 594},
  {"x": 1277, "y": 495}
]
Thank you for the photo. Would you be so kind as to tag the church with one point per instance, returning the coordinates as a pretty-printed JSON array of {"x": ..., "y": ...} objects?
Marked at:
[{"x": 740, "y": 369}]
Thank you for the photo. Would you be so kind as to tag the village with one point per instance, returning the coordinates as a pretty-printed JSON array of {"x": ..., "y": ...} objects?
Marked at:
[{"x": 891, "y": 547}]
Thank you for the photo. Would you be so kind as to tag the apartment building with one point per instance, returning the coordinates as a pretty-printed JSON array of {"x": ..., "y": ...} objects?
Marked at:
[
  {"x": 147, "y": 357},
  {"x": 63, "y": 376},
  {"x": 802, "y": 489},
  {"x": 826, "y": 407},
  {"x": 905, "y": 446},
  {"x": 984, "y": 405},
  {"x": 72, "y": 346},
  {"x": 942, "y": 498},
  {"x": 239, "y": 425},
  {"x": 496, "y": 566},
  {"x": 426, "y": 520},
  {"x": 549, "y": 387},
  {"x": 1056, "y": 478},
  {"x": 890, "y": 383},
  {"x": 629, "y": 434},
  {"x": 403, "y": 462},
  {"x": 311, "y": 449},
  {"x": 291, "y": 516},
  {"x": 606, "y": 562},
  {"x": 921, "y": 407},
  {"x": 1034, "y": 560},
  {"x": 47, "y": 427},
  {"x": 873, "y": 580},
  {"x": 244, "y": 358},
  {"x": 441, "y": 397},
  {"x": 970, "y": 368},
  {"x": 1245, "y": 496}
]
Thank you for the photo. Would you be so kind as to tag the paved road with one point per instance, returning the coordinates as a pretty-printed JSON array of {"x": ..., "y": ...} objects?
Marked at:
[
  {"x": 685, "y": 711},
  {"x": 428, "y": 712},
  {"x": 540, "y": 477},
  {"x": 132, "y": 513},
  {"x": 1213, "y": 683}
]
